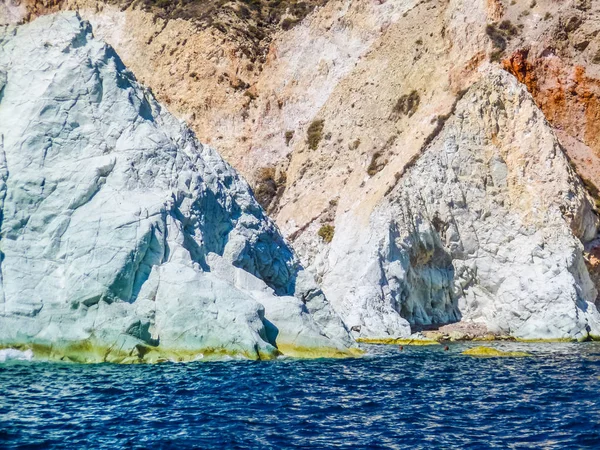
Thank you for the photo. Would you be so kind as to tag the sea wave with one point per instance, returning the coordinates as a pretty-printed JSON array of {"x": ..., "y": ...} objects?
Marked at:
[{"x": 12, "y": 354}]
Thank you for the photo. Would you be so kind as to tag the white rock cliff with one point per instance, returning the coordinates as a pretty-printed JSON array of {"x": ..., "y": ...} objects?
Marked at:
[
  {"x": 122, "y": 237},
  {"x": 485, "y": 226}
]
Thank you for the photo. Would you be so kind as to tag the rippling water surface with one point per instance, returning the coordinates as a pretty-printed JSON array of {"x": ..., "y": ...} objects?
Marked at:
[{"x": 417, "y": 398}]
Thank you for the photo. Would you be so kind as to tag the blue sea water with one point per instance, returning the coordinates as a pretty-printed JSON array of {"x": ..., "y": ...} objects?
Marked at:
[{"x": 420, "y": 398}]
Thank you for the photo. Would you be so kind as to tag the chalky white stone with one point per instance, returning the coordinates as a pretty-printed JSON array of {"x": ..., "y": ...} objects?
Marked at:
[{"x": 119, "y": 230}]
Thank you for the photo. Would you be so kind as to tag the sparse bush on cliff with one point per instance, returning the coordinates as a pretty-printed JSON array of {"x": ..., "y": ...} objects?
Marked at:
[
  {"x": 508, "y": 28},
  {"x": 406, "y": 105},
  {"x": 288, "y": 23},
  {"x": 269, "y": 187},
  {"x": 252, "y": 23},
  {"x": 251, "y": 95},
  {"x": 572, "y": 24},
  {"x": 238, "y": 84},
  {"x": 376, "y": 164},
  {"x": 581, "y": 46},
  {"x": 583, "y": 5},
  {"x": 315, "y": 134},
  {"x": 499, "y": 35},
  {"x": 592, "y": 190},
  {"x": 264, "y": 13},
  {"x": 326, "y": 233},
  {"x": 495, "y": 36}
]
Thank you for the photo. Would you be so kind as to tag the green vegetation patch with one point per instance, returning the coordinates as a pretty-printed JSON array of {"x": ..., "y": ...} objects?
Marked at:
[
  {"x": 499, "y": 34},
  {"x": 314, "y": 133},
  {"x": 406, "y": 105},
  {"x": 326, "y": 232},
  {"x": 269, "y": 187}
]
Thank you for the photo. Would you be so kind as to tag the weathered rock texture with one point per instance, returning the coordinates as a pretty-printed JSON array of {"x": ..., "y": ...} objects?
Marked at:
[
  {"x": 327, "y": 128},
  {"x": 485, "y": 226},
  {"x": 122, "y": 237}
]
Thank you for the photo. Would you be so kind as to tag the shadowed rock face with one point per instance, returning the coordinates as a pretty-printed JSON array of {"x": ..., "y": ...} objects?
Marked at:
[{"x": 122, "y": 236}]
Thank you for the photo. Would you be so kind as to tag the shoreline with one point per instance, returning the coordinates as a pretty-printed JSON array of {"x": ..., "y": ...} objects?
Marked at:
[{"x": 462, "y": 332}]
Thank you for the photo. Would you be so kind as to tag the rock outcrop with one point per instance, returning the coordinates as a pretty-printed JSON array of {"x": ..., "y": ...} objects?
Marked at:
[
  {"x": 122, "y": 237},
  {"x": 485, "y": 226}
]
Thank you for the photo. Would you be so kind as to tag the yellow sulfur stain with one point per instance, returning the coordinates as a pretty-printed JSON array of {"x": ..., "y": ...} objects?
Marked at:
[
  {"x": 397, "y": 341},
  {"x": 492, "y": 353},
  {"x": 317, "y": 352},
  {"x": 87, "y": 352}
]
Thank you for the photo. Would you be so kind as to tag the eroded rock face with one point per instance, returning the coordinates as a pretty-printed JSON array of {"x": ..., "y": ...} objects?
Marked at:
[
  {"x": 485, "y": 227},
  {"x": 122, "y": 236}
]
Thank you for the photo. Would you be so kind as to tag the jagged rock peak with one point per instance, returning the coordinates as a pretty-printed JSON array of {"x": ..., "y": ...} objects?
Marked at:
[{"x": 123, "y": 238}]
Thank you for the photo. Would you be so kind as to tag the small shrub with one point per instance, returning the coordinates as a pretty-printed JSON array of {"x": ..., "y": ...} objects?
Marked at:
[
  {"x": 288, "y": 23},
  {"x": 269, "y": 187},
  {"x": 592, "y": 190},
  {"x": 581, "y": 46},
  {"x": 288, "y": 136},
  {"x": 533, "y": 3},
  {"x": 389, "y": 143},
  {"x": 508, "y": 28},
  {"x": 315, "y": 134},
  {"x": 499, "y": 35},
  {"x": 219, "y": 26},
  {"x": 326, "y": 233},
  {"x": 243, "y": 12},
  {"x": 406, "y": 105},
  {"x": 496, "y": 36},
  {"x": 354, "y": 145},
  {"x": 547, "y": 16},
  {"x": 376, "y": 165},
  {"x": 583, "y": 5},
  {"x": 239, "y": 84}
]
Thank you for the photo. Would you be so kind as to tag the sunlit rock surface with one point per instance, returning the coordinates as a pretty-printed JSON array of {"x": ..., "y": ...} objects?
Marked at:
[
  {"x": 485, "y": 226},
  {"x": 122, "y": 237}
]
